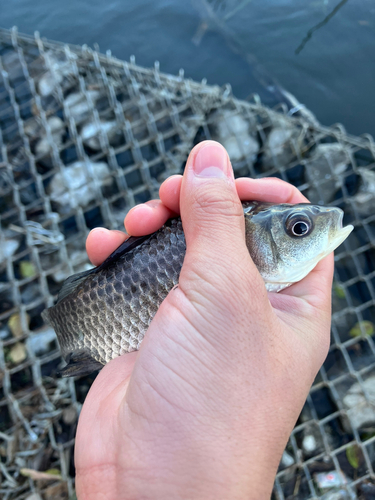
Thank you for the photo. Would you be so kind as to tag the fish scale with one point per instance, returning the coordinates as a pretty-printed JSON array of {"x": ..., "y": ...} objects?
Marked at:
[
  {"x": 105, "y": 312},
  {"x": 123, "y": 298}
]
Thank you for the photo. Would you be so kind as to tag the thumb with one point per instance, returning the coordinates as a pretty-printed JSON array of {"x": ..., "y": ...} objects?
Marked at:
[{"x": 213, "y": 221}]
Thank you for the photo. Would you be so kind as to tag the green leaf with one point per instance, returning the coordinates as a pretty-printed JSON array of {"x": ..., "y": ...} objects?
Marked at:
[
  {"x": 27, "y": 269},
  {"x": 339, "y": 291},
  {"x": 363, "y": 327},
  {"x": 54, "y": 472},
  {"x": 353, "y": 454}
]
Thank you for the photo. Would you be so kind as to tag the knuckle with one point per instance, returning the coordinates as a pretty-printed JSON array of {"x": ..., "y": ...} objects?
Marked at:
[{"x": 215, "y": 203}]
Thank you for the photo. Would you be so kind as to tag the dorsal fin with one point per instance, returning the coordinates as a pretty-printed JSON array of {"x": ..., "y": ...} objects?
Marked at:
[
  {"x": 79, "y": 363},
  {"x": 128, "y": 245},
  {"x": 71, "y": 283}
]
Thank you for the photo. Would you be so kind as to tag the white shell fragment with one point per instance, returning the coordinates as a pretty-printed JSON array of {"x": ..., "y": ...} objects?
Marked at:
[
  {"x": 74, "y": 185},
  {"x": 57, "y": 129},
  {"x": 58, "y": 69},
  {"x": 91, "y": 132},
  {"x": 78, "y": 106},
  {"x": 287, "y": 460},
  {"x": 360, "y": 410},
  {"x": 309, "y": 443},
  {"x": 279, "y": 147},
  {"x": 325, "y": 166},
  {"x": 278, "y": 139},
  {"x": 365, "y": 198},
  {"x": 234, "y": 133},
  {"x": 8, "y": 248}
]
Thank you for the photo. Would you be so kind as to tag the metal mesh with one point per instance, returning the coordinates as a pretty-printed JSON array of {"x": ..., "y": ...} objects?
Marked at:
[{"x": 83, "y": 137}]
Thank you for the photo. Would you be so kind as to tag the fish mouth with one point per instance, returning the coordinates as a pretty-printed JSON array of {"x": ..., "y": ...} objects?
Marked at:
[{"x": 341, "y": 234}]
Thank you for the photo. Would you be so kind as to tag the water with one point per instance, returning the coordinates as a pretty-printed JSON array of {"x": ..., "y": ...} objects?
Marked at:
[{"x": 333, "y": 74}]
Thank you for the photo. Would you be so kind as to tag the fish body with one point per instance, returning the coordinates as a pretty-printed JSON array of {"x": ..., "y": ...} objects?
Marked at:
[{"x": 105, "y": 312}]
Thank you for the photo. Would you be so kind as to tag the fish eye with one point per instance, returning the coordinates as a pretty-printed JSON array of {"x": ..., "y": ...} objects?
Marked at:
[{"x": 298, "y": 226}]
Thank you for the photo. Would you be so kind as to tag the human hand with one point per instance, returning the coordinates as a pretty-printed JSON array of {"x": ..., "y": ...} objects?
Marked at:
[{"x": 205, "y": 408}]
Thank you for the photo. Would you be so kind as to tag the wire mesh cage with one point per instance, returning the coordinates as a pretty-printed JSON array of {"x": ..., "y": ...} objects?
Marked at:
[{"x": 84, "y": 137}]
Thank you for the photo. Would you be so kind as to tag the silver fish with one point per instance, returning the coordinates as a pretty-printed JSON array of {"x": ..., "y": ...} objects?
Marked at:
[{"x": 105, "y": 312}]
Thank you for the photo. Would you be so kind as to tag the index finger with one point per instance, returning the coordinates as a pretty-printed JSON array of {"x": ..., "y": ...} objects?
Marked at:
[{"x": 268, "y": 189}]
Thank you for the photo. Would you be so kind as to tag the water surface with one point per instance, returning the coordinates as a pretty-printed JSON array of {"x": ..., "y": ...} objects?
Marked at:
[{"x": 333, "y": 74}]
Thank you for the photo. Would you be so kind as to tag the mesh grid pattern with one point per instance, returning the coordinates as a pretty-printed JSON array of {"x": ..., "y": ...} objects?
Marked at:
[{"x": 84, "y": 137}]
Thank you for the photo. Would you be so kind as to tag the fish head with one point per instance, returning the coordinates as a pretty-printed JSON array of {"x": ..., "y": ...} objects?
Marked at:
[{"x": 287, "y": 241}]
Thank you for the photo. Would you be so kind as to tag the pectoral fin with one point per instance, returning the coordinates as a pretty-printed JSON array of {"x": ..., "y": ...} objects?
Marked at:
[{"x": 79, "y": 363}]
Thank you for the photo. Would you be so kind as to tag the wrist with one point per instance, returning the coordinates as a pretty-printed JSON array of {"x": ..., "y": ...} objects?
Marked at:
[{"x": 197, "y": 461}]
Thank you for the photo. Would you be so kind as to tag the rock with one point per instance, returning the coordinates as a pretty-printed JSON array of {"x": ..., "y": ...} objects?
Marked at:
[
  {"x": 324, "y": 167},
  {"x": 90, "y": 133},
  {"x": 73, "y": 186},
  {"x": 360, "y": 411}
]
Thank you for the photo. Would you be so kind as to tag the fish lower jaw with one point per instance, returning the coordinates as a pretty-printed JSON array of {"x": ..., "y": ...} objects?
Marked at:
[{"x": 276, "y": 287}]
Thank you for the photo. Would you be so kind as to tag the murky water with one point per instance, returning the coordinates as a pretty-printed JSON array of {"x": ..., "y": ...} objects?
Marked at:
[{"x": 323, "y": 51}]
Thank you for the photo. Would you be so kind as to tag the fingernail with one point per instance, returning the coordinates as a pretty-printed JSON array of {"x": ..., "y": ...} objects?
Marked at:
[
  {"x": 152, "y": 203},
  {"x": 211, "y": 161},
  {"x": 99, "y": 229}
]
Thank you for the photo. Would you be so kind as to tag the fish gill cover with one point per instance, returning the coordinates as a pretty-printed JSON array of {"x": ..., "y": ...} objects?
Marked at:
[{"x": 83, "y": 137}]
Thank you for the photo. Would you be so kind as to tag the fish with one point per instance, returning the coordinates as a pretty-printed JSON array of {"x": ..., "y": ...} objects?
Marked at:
[{"x": 105, "y": 312}]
